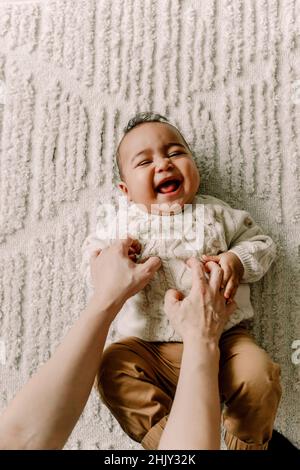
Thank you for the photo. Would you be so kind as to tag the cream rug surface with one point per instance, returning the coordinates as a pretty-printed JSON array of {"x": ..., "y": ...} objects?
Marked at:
[{"x": 72, "y": 73}]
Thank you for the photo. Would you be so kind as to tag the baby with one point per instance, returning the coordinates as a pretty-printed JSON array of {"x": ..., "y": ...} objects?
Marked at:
[{"x": 138, "y": 374}]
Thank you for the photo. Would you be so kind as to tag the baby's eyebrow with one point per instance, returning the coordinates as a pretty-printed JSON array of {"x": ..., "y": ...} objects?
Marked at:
[{"x": 165, "y": 146}]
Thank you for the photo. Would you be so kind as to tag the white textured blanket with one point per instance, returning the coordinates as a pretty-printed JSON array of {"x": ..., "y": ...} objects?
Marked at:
[{"x": 72, "y": 73}]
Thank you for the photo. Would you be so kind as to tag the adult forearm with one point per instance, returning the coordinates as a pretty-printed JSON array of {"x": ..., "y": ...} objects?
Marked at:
[
  {"x": 194, "y": 420},
  {"x": 44, "y": 413}
]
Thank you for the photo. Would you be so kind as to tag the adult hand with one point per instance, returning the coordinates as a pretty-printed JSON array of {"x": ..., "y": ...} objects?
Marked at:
[
  {"x": 116, "y": 276},
  {"x": 45, "y": 411},
  {"x": 203, "y": 314}
]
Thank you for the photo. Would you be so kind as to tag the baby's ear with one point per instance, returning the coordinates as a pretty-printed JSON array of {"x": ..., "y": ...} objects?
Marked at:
[{"x": 123, "y": 187}]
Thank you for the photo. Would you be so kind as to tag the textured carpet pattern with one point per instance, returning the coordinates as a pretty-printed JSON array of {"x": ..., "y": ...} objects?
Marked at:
[{"x": 71, "y": 75}]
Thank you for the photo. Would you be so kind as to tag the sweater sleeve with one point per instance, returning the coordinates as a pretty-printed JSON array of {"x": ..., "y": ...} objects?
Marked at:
[
  {"x": 100, "y": 238},
  {"x": 90, "y": 244},
  {"x": 246, "y": 239}
]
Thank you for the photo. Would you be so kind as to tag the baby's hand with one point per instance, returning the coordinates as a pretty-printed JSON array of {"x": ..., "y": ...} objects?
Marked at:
[
  {"x": 134, "y": 250},
  {"x": 233, "y": 271}
]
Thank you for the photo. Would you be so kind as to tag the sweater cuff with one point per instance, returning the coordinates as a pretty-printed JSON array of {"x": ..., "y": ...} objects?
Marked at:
[{"x": 249, "y": 263}]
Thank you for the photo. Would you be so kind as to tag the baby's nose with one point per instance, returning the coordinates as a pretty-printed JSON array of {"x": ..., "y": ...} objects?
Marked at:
[{"x": 163, "y": 164}]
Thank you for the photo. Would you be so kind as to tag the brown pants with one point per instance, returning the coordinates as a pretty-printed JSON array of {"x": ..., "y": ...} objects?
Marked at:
[{"x": 137, "y": 382}]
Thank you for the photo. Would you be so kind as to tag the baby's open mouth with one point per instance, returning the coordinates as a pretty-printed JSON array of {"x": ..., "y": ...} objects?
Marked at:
[{"x": 168, "y": 186}]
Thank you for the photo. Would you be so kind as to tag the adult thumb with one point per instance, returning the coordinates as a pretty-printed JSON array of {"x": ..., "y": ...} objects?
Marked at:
[
  {"x": 151, "y": 265},
  {"x": 215, "y": 258}
]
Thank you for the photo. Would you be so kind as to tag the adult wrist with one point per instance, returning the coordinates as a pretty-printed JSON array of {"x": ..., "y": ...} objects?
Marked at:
[
  {"x": 203, "y": 346},
  {"x": 109, "y": 307}
]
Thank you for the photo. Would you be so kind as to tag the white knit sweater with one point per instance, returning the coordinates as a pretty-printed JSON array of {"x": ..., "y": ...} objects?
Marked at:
[{"x": 211, "y": 227}]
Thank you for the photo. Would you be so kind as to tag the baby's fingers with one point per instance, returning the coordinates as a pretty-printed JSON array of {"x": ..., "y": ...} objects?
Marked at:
[
  {"x": 226, "y": 275},
  {"x": 136, "y": 246},
  {"x": 231, "y": 288}
]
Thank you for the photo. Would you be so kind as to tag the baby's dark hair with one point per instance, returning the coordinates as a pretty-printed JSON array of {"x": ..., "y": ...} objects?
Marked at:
[{"x": 140, "y": 118}]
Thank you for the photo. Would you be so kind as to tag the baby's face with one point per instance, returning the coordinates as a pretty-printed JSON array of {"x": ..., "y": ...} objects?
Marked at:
[{"x": 157, "y": 167}]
